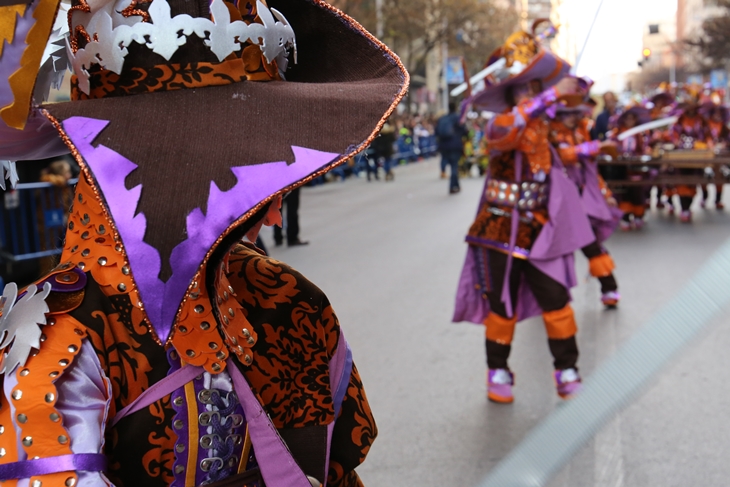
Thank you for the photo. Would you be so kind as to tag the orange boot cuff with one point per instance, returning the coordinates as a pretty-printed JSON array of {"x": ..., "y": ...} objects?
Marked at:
[
  {"x": 560, "y": 324},
  {"x": 601, "y": 265},
  {"x": 499, "y": 329}
]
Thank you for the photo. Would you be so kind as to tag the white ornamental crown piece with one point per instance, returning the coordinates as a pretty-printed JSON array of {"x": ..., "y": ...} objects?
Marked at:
[{"x": 165, "y": 34}]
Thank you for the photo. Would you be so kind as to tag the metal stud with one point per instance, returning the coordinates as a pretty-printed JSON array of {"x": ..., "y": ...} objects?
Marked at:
[
  {"x": 85, "y": 219},
  {"x": 233, "y": 461},
  {"x": 102, "y": 261},
  {"x": 50, "y": 397},
  {"x": 63, "y": 362},
  {"x": 55, "y": 417},
  {"x": 247, "y": 359},
  {"x": 179, "y": 468},
  {"x": 63, "y": 439},
  {"x": 216, "y": 367},
  {"x": 74, "y": 248},
  {"x": 204, "y": 396},
  {"x": 28, "y": 441},
  {"x": 178, "y": 424},
  {"x": 53, "y": 374},
  {"x": 2, "y": 429},
  {"x": 24, "y": 372},
  {"x": 85, "y": 253},
  {"x": 118, "y": 247},
  {"x": 178, "y": 401},
  {"x": 122, "y": 287},
  {"x": 125, "y": 270},
  {"x": 218, "y": 299},
  {"x": 70, "y": 482},
  {"x": 72, "y": 348},
  {"x": 51, "y": 321},
  {"x": 213, "y": 345},
  {"x": 234, "y": 340},
  {"x": 17, "y": 394},
  {"x": 246, "y": 333},
  {"x": 225, "y": 295},
  {"x": 81, "y": 265},
  {"x": 37, "y": 483},
  {"x": 194, "y": 295},
  {"x": 230, "y": 290},
  {"x": 101, "y": 230},
  {"x": 85, "y": 236},
  {"x": 225, "y": 320},
  {"x": 190, "y": 353},
  {"x": 205, "y": 325},
  {"x": 81, "y": 198},
  {"x": 231, "y": 312},
  {"x": 182, "y": 329},
  {"x": 199, "y": 308},
  {"x": 220, "y": 355},
  {"x": 100, "y": 240},
  {"x": 251, "y": 341},
  {"x": 2, "y": 452},
  {"x": 22, "y": 418},
  {"x": 180, "y": 447}
]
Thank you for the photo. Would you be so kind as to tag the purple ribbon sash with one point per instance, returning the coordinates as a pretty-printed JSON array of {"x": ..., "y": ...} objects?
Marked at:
[{"x": 90, "y": 462}]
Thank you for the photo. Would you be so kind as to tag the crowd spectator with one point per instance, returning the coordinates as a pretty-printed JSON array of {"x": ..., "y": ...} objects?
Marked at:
[{"x": 450, "y": 133}]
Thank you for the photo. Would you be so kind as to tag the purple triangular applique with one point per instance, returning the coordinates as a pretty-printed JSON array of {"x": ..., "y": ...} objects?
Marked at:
[{"x": 255, "y": 183}]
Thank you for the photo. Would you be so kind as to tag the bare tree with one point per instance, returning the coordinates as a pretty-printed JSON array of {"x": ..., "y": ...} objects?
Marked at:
[{"x": 713, "y": 43}]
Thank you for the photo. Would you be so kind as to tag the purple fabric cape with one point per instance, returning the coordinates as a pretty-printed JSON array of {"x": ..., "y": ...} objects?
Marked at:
[
  {"x": 567, "y": 230},
  {"x": 255, "y": 184}
]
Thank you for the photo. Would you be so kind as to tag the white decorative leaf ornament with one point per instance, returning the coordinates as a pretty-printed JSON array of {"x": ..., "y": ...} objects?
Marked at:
[
  {"x": 20, "y": 324},
  {"x": 10, "y": 172},
  {"x": 165, "y": 34}
]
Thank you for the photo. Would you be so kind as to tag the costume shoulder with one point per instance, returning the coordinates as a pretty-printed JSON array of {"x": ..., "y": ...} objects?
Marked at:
[
  {"x": 27, "y": 313},
  {"x": 297, "y": 337}
]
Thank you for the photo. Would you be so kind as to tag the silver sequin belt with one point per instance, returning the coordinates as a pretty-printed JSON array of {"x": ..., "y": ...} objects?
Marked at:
[{"x": 528, "y": 195}]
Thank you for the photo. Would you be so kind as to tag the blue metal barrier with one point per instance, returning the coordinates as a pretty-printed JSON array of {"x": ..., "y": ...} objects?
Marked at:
[{"x": 33, "y": 220}]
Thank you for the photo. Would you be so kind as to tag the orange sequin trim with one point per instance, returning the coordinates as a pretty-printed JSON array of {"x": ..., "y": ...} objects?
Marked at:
[
  {"x": 34, "y": 397},
  {"x": 239, "y": 334},
  {"x": 196, "y": 337},
  {"x": 93, "y": 244}
]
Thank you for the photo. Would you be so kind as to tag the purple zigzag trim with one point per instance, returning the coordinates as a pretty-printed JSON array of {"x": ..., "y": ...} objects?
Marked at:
[{"x": 255, "y": 183}]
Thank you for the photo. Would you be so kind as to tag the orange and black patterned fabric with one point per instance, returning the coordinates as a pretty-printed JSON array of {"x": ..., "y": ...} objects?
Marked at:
[{"x": 296, "y": 334}]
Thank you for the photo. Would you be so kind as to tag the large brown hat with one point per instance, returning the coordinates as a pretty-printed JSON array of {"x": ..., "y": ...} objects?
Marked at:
[{"x": 189, "y": 116}]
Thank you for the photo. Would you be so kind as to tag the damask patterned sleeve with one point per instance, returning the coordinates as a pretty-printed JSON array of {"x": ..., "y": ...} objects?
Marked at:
[{"x": 354, "y": 433}]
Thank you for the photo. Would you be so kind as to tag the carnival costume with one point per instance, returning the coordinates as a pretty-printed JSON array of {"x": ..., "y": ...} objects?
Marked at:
[
  {"x": 632, "y": 199},
  {"x": 163, "y": 351},
  {"x": 578, "y": 153},
  {"x": 689, "y": 133},
  {"x": 529, "y": 222},
  {"x": 661, "y": 105},
  {"x": 717, "y": 135}
]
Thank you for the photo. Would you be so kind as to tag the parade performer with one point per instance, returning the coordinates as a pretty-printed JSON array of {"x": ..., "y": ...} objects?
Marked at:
[
  {"x": 689, "y": 133},
  {"x": 716, "y": 117},
  {"x": 661, "y": 105},
  {"x": 162, "y": 351},
  {"x": 529, "y": 221},
  {"x": 570, "y": 134},
  {"x": 632, "y": 199}
]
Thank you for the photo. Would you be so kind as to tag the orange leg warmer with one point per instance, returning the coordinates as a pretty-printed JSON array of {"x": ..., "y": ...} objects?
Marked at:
[
  {"x": 560, "y": 324},
  {"x": 499, "y": 329},
  {"x": 601, "y": 265}
]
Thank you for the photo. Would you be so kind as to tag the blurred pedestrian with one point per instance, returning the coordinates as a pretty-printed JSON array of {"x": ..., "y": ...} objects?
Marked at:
[
  {"x": 450, "y": 133},
  {"x": 292, "y": 222},
  {"x": 382, "y": 151}
]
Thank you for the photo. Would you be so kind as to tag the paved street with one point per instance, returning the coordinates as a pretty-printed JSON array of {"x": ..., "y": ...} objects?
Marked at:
[{"x": 388, "y": 255}]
